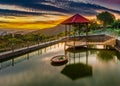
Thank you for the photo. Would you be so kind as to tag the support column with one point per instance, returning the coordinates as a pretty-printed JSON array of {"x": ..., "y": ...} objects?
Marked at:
[
  {"x": 87, "y": 57},
  {"x": 79, "y": 29},
  {"x": 74, "y": 39},
  {"x": 86, "y": 34},
  {"x": 65, "y": 36}
]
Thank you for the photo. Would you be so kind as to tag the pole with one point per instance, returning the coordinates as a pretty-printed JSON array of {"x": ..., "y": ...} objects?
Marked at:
[{"x": 86, "y": 34}]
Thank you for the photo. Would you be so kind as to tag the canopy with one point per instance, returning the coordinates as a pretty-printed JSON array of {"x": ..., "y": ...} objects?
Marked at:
[{"x": 76, "y": 19}]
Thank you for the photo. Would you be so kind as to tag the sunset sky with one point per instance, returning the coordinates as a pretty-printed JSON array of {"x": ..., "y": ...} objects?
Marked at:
[{"x": 38, "y": 14}]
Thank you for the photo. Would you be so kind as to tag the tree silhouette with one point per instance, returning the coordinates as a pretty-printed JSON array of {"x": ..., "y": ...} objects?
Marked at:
[{"x": 106, "y": 18}]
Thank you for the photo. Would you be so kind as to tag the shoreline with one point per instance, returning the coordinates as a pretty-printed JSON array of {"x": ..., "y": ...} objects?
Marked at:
[{"x": 21, "y": 51}]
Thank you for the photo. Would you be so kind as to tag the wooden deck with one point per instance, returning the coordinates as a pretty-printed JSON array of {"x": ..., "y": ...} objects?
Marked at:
[{"x": 77, "y": 43}]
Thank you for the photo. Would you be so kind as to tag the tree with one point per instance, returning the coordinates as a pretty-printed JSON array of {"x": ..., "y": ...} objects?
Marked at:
[
  {"x": 116, "y": 24},
  {"x": 106, "y": 18},
  {"x": 38, "y": 38},
  {"x": 29, "y": 38},
  {"x": 94, "y": 26},
  {"x": 13, "y": 42}
]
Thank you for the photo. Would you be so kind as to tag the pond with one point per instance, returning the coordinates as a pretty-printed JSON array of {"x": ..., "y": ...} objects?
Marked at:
[{"x": 85, "y": 67}]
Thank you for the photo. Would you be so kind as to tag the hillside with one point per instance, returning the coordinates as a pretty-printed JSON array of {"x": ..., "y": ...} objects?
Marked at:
[{"x": 51, "y": 31}]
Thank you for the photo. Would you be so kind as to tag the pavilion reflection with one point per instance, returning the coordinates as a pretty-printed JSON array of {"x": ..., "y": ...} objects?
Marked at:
[
  {"x": 75, "y": 69},
  {"x": 75, "y": 55}
]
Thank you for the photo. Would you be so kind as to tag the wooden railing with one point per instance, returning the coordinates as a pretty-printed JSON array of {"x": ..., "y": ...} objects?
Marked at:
[{"x": 111, "y": 41}]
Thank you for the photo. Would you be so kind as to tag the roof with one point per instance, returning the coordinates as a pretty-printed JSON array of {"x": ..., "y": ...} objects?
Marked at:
[{"x": 76, "y": 19}]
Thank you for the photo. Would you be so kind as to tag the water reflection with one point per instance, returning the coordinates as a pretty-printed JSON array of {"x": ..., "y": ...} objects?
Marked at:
[
  {"x": 106, "y": 55},
  {"x": 79, "y": 57},
  {"x": 75, "y": 55},
  {"x": 101, "y": 54},
  {"x": 76, "y": 69},
  {"x": 88, "y": 69},
  {"x": 5, "y": 63},
  {"x": 11, "y": 62}
]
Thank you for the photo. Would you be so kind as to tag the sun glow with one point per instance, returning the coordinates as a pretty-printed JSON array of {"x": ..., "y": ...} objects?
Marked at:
[
  {"x": 35, "y": 22},
  {"x": 30, "y": 22}
]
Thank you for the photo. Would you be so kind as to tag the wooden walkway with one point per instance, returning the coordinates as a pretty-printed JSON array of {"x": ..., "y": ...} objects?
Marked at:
[
  {"x": 24, "y": 50},
  {"x": 111, "y": 42}
]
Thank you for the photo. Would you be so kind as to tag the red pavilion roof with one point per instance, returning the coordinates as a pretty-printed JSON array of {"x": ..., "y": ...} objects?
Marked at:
[{"x": 76, "y": 19}]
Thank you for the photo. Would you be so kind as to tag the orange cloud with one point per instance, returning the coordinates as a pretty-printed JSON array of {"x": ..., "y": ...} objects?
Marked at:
[{"x": 30, "y": 22}]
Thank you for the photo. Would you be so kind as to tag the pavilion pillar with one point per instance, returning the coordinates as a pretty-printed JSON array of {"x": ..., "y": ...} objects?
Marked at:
[
  {"x": 79, "y": 57},
  {"x": 69, "y": 32},
  {"x": 86, "y": 56},
  {"x": 87, "y": 30},
  {"x": 74, "y": 57},
  {"x": 79, "y": 31},
  {"x": 86, "y": 34},
  {"x": 70, "y": 29},
  {"x": 65, "y": 37},
  {"x": 66, "y": 30},
  {"x": 74, "y": 40}
]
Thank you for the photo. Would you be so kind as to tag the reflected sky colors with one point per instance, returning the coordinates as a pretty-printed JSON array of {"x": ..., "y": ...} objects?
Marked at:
[
  {"x": 37, "y": 70},
  {"x": 38, "y": 14}
]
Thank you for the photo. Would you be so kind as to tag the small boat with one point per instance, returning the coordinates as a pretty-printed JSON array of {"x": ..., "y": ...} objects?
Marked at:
[{"x": 59, "y": 60}]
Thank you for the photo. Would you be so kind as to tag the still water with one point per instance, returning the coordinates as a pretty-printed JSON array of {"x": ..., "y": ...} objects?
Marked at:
[{"x": 86, "y": 67}]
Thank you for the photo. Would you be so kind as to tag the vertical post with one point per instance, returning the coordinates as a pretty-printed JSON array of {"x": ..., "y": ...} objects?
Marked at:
[
  {"x": 0, "y": 65},
  {"x": 65, "y": 53},
  {"x": 79, "y": 56},
  {"x": 79, "y": 29},
  {"x": 38, "y": 41},
  {"x": 69, "y": 57},
  {"x": 86, "y": 34},
  {"x": 74, "y": 57},
  {"x": 46, "y": 49},
  {"x": 86, "y": 56},
  {"x": 65, "y": 37},
  {"x": 70, "y": 36},
  {"x": 28, "y": 56},
  {"x": 69, "y": 31},
  {"x": 74, "y": 39},
  {"x": 38, "y": 52},
  {"x": 12, "y": 45},
  {"x": 87, "y": 29},
  {"x": 13, "y": 62}
]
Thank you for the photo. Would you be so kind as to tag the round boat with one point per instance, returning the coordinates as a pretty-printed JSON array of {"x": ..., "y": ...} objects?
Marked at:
[{"x": 59, "y": 60}]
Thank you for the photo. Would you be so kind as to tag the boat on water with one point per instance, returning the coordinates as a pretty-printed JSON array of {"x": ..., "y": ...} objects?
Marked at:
[{"x": 59, "y": 60}]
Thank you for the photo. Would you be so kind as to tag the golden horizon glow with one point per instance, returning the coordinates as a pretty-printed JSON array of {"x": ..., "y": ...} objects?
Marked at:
[
  {"x": 30, "y": 22},
  {"x": 35, "y": 22}
]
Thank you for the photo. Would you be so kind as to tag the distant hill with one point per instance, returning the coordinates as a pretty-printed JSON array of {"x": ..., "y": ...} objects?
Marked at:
[
  {"x": 51, "y": 31},
  {"x": 14, "y": 31}
]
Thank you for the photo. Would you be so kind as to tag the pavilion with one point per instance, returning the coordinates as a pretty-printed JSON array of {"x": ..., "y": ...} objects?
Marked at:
[
  {"x": 73, "y": 29},
  {"x": 72, "y": 23}
]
